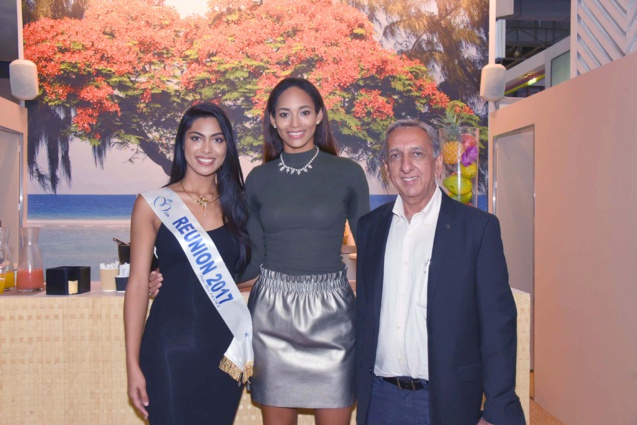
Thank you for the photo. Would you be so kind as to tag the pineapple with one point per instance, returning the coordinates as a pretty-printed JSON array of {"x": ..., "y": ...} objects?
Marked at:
[
  {"x": 450, "y": 123},
  {"x": 452, "y": 152},
  {"x": 452, "y": 148}
]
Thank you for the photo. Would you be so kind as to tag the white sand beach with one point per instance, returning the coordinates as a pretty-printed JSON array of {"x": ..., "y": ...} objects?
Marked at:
[{"x": 77, "y": 223}]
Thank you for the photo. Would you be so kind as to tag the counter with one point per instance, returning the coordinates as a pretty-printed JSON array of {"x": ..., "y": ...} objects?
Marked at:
[{"x": 62, "y": 361}]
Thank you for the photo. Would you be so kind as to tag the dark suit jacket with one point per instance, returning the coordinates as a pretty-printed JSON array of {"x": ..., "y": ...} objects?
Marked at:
[{"x": 471, "y": 316}]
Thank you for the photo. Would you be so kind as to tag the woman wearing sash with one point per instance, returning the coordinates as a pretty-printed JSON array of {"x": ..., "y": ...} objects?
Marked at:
[
  {"x": 173, "y": 357},
  {"x": 302, "y": 304}
]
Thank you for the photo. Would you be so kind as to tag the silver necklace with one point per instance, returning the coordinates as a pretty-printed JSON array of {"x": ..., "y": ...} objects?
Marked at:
[{"x": 292, "y": 170}]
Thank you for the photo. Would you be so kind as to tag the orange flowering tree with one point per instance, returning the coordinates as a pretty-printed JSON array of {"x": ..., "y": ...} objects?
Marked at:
[
  {"x": 124, "y": 74},
  {"x": 114, "y": 76}
]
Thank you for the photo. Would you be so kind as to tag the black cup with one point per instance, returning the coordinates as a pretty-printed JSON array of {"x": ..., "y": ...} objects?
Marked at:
[
  {"x": 120, "y": 283},
  {"x": 123, "y": 252}
]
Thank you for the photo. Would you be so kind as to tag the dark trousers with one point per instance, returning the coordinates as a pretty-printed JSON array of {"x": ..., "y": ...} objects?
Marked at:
[{"x": 390, "y": 405}]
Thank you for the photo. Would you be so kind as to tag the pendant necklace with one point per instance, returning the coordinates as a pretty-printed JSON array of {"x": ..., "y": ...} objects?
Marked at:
[
  {"x": 202, "y": 202},
  {"x": 292, "y": 170}
]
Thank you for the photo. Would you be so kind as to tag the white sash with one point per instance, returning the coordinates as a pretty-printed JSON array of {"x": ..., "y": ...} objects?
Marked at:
[{"x": 213, "y": 275}]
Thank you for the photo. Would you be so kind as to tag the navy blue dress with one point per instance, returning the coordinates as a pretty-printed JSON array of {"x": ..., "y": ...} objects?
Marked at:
[{"x": 185, "y": 339}]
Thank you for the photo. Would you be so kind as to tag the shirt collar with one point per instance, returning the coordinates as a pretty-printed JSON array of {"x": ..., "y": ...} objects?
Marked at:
[{"x": 433, "y": 204}]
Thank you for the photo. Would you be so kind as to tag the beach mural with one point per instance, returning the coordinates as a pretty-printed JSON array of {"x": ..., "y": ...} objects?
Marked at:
[{"x": 116, "y": 76}]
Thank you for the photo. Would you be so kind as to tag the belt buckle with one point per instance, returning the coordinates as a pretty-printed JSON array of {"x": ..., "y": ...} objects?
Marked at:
[{"x": 400, "y": 386}]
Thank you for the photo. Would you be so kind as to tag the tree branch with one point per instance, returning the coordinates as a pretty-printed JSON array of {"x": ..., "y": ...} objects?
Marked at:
[{"x": 153, "y": 153}]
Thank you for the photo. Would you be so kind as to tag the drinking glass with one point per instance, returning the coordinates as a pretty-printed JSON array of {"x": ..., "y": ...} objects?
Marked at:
[
  {"x": 7, "y": 272},
  {"x": 30, "y": 273}
]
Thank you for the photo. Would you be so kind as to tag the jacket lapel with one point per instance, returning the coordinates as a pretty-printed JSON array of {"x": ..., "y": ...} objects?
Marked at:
[
  {"x": 381, "y": 233},
  {"x": 442, "y": 243}
]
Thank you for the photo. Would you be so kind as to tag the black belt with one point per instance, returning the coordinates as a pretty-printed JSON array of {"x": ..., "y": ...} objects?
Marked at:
[{"x": 406, "y": 383}]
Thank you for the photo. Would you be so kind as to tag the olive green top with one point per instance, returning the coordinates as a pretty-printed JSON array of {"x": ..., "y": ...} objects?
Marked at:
[{"x": 297, "y": 221}]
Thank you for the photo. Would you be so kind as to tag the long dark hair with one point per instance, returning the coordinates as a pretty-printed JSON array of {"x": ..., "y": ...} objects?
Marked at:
[
  {"x": 234, "y": 208},
  {"x": 272, "y": 143}
]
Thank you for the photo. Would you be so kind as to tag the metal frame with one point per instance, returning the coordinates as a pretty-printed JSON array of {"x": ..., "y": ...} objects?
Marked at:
[
  {"x": 21, "y": 171},
  {"x": 494, "y": 175}
]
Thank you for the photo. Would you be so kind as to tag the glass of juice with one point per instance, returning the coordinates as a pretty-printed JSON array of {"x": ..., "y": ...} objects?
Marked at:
[
  {"x": 7, "y": 280},
  {"x": 6, "y": 261},
  {"x": 30, "y": 276}
]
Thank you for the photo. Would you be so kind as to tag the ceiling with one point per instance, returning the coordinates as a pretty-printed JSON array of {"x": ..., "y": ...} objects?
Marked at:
[
  {"x": 9, "y": 44},
  {"x": 525, "y": 39},
  {"x": 534, "y": 26},
  {"x": 8, "y": 31}
]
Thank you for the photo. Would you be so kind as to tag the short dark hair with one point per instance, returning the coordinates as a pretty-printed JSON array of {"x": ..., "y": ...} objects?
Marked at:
[
  {"x": 272, "y": 143},
  {"x": 431, "y": 132},
  {"x": 229, "y": 176}
]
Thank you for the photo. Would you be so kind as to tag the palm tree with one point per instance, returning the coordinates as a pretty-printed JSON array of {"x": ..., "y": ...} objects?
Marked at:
[{"x": 450, "y": 37}]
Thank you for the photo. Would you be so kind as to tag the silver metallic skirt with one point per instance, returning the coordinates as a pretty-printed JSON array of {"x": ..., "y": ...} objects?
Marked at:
[{"x": 303, "y": 340}]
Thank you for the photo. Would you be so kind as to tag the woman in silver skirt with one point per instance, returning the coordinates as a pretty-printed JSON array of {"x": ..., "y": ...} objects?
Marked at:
[{"x": 302, "y": 304}]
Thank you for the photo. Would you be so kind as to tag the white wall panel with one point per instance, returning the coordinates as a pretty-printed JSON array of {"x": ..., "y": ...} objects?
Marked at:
[{"x": 605, "y": 31}]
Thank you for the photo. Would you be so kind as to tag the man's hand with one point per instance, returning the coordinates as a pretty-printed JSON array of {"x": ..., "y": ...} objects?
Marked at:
[
  {"x": 483, "y": 422},
  {"x": 154, "y": 283}
]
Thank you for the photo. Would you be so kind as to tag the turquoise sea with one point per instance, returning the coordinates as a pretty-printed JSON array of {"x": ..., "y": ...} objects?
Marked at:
[{"x": 80, "y": 207}]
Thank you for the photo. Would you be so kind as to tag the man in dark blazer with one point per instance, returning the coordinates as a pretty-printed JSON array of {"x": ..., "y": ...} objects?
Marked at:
[{"x": 436, "y": 319}]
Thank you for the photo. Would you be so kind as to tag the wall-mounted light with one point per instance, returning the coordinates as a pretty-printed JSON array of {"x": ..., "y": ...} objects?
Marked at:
[
  {"x": 492, "y": 82},
  {"x": 527, "y": 83},
  {"x": 23, "y": 76}
]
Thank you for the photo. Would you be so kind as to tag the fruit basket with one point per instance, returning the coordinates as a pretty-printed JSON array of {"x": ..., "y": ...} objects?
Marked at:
[{"x": 459, "y": 149}]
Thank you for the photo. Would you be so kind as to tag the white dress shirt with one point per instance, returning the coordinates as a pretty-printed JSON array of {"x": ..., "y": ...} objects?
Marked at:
[{"x": 402, "y": 335}]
